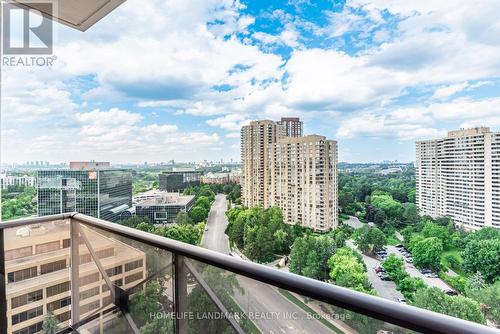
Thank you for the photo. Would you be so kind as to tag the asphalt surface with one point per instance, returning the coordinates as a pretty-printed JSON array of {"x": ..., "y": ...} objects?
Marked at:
[
  {"x": 215, "y": 237},
  {"x": 414, "y": 272},
  {"x": 270, "y": 311},
  {"x": 354, "y": 222},
  {"x": 385, "y": 289}
]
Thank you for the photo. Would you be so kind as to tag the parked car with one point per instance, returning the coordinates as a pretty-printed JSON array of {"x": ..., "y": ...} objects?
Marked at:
[
  {"x": 425, "y": 271},
  {"x": 409, "y": 260},
  {"x": 431, "y": 275},
  {"x": 385, "y": 277},
  {"x": 379, "y": 269},
  {"x": 399, "y": 246},
  {"x": 450, "y": 292},
  {"x": 402, "y": 300}
]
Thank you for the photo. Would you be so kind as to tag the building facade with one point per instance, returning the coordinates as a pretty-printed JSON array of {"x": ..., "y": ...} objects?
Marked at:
[
  {"x": 162, "y": 207},
  {"x": 221, "y": 178},
  {"x": 37, "y": 263},
  {"x": 459, "y": 177},
  {"x": 7, "y": 181},
  {"x": 296, "y": 173},
  {"x": 178, "y": 180},
  {"x": 293, "y": 126},
  {"x": 100, "y": 193},
  {"x": 257, "y": 139},
  {"x": 304, "y": 181}
]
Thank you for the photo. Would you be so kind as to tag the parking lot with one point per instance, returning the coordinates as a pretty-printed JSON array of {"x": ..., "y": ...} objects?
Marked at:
[
  {"x": 414, "y": 272},
  {"x": 385, "y": 289}
]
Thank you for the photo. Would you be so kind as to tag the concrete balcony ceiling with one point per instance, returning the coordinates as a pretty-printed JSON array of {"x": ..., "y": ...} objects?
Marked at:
[{"x": 77, "y": 14}]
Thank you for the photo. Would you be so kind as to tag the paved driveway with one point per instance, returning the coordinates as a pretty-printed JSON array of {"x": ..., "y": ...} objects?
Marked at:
[
  {"x": 414, "y": 272},
  {"x": 385, "y": 289}
]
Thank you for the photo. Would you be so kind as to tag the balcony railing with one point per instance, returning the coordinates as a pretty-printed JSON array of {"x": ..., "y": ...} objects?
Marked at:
[{"x": 93, "y": 276}]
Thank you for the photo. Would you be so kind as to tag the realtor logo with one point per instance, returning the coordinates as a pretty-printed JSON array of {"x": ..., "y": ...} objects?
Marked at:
[{"x": 27, "y": 32}]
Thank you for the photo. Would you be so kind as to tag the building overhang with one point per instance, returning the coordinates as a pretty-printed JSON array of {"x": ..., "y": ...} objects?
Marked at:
[{"x": 77, "y": 14}]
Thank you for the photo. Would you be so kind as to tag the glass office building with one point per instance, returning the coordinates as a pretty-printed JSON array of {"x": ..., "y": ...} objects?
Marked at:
[
  {"x": 179, "y": 180},
  {"x": 104, "y": 193}
]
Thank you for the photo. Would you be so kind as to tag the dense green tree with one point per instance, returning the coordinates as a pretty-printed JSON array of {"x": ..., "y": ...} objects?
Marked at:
[
  {"x": 310, "y": 254},
  {"x": 50, "y": 324},
  {"x": 456, "y": 306},
  {"x": 476, "y": 281},
  {"x": 385, "y": 202},
  {"x": 427, "y": 253},
  {"x": 183, "y": 218},
  {"x": 483, "y": 256},
  {"x": 369, "y": 239},
  {"x": 346, "y": 270},
  {"x": 190, "y": 234},
  {"x": 204, "y": 202},
  {"x": 145, "y": 226},
  {"x": 408, "y": 286},
  {"x": 380, "y": 217},
  {"x": 18, "y": 202},
  {"x": 133, "y": 221},
  {"x": 159, "y": 325},
  {"x": 431, "y": 229},
  {"x": 489, "y": 297},
  {"x": 261, "y": 233},
  {"x": 394, "y": 267},
  {"x": 198, "y": 214},
  {"x": 410, "y": 213},
  {"x": 146, "y": 303}
]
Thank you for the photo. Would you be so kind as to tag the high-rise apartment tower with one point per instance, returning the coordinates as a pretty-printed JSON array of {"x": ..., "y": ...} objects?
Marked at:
[
  {"x": 459, "y": 177},
  {"x": 298, "y": 174}
]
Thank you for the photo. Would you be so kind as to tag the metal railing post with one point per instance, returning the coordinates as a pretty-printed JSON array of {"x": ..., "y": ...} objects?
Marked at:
[
  {"x": 180, "y": 295},
  {"x": 75, "y": 271},
  {"x": 3, "y": 286}
]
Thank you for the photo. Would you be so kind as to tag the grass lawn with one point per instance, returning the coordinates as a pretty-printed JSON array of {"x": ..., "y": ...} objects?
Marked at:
[
  {"x": 309, "y": 310},
  {"x": 455, "y": 252}
]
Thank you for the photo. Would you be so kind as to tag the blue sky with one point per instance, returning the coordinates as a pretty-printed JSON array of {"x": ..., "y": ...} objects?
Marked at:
[{"x": 176, "y": 79}]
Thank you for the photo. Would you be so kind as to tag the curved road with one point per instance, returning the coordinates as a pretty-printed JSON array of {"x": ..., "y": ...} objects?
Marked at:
[{"x": 271, "y": 312}]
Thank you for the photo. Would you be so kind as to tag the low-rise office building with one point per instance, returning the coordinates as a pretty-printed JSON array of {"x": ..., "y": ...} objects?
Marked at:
[
  {"x": 178, "y": 180},
  {"x": 162, "y": 207}
]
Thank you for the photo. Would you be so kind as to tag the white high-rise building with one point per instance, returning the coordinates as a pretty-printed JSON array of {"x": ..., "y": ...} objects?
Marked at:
[
  {"x": 297, "y": 174},
  {"x": 459, "y": 176}
]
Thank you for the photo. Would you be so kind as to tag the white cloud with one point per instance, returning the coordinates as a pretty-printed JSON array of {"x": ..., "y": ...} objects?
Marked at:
[
  {"x": 447, "y": 91},
  {"x": 420, "y": 122}
]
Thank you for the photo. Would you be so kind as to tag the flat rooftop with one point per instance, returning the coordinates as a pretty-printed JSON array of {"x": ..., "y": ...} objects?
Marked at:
[{"x": 161, "y": 197}]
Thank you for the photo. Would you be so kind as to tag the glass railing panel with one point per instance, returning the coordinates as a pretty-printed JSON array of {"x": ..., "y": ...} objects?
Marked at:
[
  {"x": 263, "y": 308},
  {"x": 142, "y": 280},
  {"x": 37, "y": 266}
]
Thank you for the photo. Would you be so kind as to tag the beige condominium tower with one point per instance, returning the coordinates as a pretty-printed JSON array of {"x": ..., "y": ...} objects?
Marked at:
[
  {"x": 459, "y": 176},
  {"x": 304, "y": 182},
  {"x": 256, "y": 141},
  {"x": 295, "y": 173}
]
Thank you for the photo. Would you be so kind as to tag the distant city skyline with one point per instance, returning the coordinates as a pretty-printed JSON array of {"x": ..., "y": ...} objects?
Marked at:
[{"x": 373, "y": 75}]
